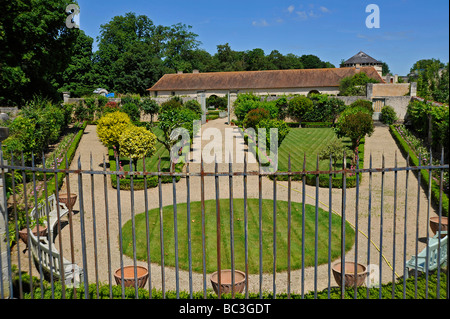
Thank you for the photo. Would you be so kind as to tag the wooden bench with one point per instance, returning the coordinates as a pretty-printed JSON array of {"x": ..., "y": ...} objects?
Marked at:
[
  {"x": 424, "y": 264},
  {"x": 50, "y": 259}
]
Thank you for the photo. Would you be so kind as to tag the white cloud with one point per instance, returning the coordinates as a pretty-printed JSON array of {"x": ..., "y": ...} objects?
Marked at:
[
  {"x": 324, "y": 9},
  {"x": 312, "y": 14},
  {"x": 291, "y": 9},
  {"x": 260, "y": 23},
  {"x": 302, "y": 15}
]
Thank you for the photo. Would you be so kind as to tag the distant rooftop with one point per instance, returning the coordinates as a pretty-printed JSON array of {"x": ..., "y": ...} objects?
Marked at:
[{"x": 362, "y": 59}]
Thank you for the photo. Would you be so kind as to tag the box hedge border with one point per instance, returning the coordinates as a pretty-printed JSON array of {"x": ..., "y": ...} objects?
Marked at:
[
  {"x": 414, "y": 161},
  {"x": 388, "y": 291},
  {"x": 138, "y": 182}
]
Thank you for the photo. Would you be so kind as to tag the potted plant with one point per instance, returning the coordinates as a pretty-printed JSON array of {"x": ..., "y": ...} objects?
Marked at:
[
  {"x": 69, "y": 201},
  {"x": 350, "y": 276},
  {"x": 226, "y": 282},
  {"x": 128, "y": 276},
  {"x": 434, "y": 224},
  {"x": 33, "y": 225}
]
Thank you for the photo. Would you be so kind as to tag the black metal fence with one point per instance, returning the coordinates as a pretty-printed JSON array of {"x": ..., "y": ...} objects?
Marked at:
[{"x": 388, "y": 211}]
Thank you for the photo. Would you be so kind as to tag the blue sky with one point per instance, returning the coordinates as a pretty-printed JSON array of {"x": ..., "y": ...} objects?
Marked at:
[{"x": 410, "y": 30}]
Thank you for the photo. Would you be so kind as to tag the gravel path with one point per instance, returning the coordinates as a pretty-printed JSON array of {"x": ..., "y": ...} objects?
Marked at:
[{"x": 378, "y": 144}]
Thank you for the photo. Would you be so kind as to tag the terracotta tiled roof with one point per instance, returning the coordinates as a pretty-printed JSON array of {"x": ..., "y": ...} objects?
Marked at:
[{"x": 274, "y": 79}]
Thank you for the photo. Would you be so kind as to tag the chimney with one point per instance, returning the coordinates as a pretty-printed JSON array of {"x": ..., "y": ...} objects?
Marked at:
[{"x": 195, "y": 71}]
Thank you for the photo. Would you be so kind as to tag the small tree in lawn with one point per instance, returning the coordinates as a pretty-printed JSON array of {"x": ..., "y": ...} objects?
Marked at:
[
  {"x": 298, "y": 107},
  {"x": 172, "y": 119},
  {"x": 149, "y": 107},
  {"x": 354, "y": 123},
  {"x": 334, "y": 150},
  {"x": 136, "y": 143}
]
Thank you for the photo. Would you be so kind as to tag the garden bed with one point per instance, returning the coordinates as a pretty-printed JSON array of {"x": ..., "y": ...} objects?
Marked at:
[
  {"x": 309, "y": 142},
  {"x": 66, "y": 147},
  {"x": 151, "y": 165}
]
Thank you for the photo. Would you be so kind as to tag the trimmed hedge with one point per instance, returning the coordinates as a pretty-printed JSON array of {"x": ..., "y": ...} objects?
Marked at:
[
  {"x": 335, "y": 292},
  {"x": 138, "y": 181},
  {"x": 310, "y": 124},
  {"x": 414, "y": 161}
]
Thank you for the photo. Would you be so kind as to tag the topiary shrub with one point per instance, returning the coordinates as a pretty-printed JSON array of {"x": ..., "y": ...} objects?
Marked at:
[
  {"x": 136, "y": 143},
  {"x": 111, "y": 126},
  {"x": 388, "y": 115}
]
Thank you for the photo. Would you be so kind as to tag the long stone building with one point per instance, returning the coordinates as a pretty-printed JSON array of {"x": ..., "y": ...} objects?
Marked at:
[{"x": 267, "y": 83}]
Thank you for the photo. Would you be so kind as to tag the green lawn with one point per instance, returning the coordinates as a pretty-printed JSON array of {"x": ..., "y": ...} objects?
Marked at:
[
  {"x": 239, "y": 243},
  {"x": 309, "y": 141}
]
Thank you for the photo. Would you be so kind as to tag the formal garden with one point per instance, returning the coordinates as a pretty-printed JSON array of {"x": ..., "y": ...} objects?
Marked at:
[{"x": 314, "y": 132}]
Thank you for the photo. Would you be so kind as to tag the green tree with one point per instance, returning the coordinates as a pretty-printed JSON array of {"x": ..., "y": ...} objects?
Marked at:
[
  {"x": 255, "y": 60},
  {"x": 355, "y": 85},
  {"x": 172, "y": 119},
  {"x": 137, "y": 69},
  {"x": 428, "y": 75},
  {"x": 354, "y": 123},
  {"x": 310, "y": 61},
  {"x": 149, "y": 107},
  {"x": 77, "y": 77},
  {"x": 334, "y": 150},
  {"x": 35, "y": 48},
  {"x": 180, "y": 41},
  {"x": 298, "y": 106}
]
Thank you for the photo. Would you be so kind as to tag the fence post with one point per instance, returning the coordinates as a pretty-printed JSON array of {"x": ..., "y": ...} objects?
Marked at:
[{"x": 5, "y": 284}]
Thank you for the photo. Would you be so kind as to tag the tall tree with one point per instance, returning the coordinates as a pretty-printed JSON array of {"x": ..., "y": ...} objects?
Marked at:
[
  {"x": 35, "y": 48},
  {"x": 77, "y": 78},
  {"x": 180, "y": 41},
  {"x": 431, "y": 79},
  {"x": 137, "y": 69}
]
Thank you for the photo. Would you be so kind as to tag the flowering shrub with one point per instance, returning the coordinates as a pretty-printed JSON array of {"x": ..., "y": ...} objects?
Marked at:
[{"x": 110, "y": 107}]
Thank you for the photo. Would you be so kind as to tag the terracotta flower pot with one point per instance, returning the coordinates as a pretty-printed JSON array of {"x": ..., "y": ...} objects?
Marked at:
[
  {"x": 434, "y": 224},
  {"x": 350, "y": 277},
  {"x": 69, "y": 201},
  {"x": 128, "y": 276},
  {"x": 225, "y": 281},
  {"x": 23, "y": 234}
]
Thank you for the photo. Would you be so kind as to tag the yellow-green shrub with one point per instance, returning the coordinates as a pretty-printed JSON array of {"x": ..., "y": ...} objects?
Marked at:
[
  {"x": 111, "y": 126},
  {"x": 136, "y": 143}
]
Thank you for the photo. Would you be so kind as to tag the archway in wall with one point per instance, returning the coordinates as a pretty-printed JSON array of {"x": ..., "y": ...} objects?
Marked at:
[{"x": 313, "y": 92}]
